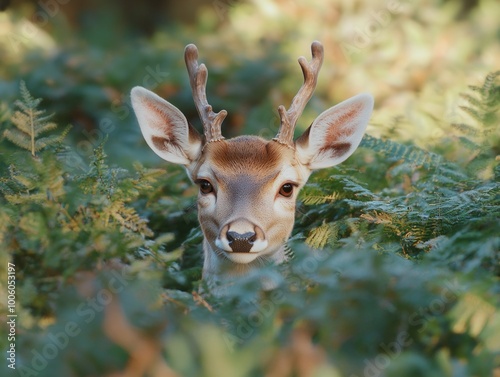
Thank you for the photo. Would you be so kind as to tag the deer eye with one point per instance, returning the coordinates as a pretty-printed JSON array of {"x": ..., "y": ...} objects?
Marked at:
[
  {"x": 205, "y": 186},
  {"x": 286, "y": 190}
]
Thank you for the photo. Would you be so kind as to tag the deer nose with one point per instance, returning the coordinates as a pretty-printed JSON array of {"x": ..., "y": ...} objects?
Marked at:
[
  {"x": 241, "y": 243},
  {"x": 241, "y": 236}
]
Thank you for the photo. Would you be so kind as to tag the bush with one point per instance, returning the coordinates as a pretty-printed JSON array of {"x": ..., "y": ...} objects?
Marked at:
[
  {"x": 395, "y": 253},
  {"x": 405, "y": 284}
]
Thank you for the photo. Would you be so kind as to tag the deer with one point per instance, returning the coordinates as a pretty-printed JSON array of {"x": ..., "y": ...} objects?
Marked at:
[{"x": 248, "y": 185}]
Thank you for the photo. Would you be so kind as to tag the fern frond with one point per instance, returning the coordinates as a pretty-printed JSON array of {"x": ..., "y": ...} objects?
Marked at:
[
  {"x": 397, "y": 151},
  {"x": 22, "y": 121},
  {"x": 18, "y": 138},
  {"x": 30, "y": 122},
  {"x": 466, "y": 129},
  {"x": 471, "y": 99},
  {"x": 472, "y": 112},
  {"x": 145, "y": 177},
  {"x": 377, "y": 217},
  {"x": 27, "y": 98},
  {"x": 11, "y": 187},
  {"x": 35, "y": 182},
  {"x": 45, "y": 127},
  {"x": 26, "y": 198},
  {"x": 128, "y": 218},
  {"x": 475, "y": 88},
  {"x": 484, "y": 108},
  {"x": 355, "y": 188},
  {"x": 321, "y": 199},
  {"x": 469, "y": 144},
  {"x": 44, "y": 142},
  {"x": 489, "y": 83},
  {"x": 320, "y": 236}
]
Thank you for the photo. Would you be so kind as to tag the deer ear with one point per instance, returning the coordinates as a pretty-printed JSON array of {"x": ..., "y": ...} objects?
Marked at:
[
  {"x": 165, "y": 128},
  {"x": 335, "y": 134}
]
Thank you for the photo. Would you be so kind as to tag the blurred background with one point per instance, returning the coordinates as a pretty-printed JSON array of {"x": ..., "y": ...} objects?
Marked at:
[
  {"x": 407, "y": 281},
  {"x": 83, "y": 57}
]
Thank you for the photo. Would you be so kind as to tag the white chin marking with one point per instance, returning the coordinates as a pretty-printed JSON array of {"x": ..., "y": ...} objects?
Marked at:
[{"x": 242, "y": 258}]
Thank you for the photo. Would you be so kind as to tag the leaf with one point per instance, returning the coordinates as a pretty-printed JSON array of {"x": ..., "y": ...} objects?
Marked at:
[
  {"x": 31, "y": 123},
  {"x": 18, "y": 137},
  {"x": 320, "y": 199},
  {"x": 397, "y": 151},
  {"x": 320, "y": 236},
  {"x": 472, "y": 314}
]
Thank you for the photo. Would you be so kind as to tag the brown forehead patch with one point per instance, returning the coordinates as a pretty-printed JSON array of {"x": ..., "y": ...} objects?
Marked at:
[{"x": 247, "y": 155}]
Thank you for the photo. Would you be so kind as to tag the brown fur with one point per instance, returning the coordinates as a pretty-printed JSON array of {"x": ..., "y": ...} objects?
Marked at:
[
  {"x": 246, "y": 175},
  {"x": 247, "y": 155}
]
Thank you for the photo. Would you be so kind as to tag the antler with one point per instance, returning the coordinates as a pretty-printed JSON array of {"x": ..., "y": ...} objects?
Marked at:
[
  {"x": 289, "y": 117},
  {"x": 198, "y": 78}
]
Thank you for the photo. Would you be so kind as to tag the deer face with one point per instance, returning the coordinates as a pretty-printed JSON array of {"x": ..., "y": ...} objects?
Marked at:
[
  {"x": 248, "y": 186},
  {"x": 246, "y": 202}
]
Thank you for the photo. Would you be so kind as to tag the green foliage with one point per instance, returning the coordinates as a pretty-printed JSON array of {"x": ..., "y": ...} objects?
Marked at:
[
  {"x": 428, "y": 205},
  {"x": 30, "y": 123},
  {"x": 482, "y": 139},
  {"x": 395, "y": 255},
  {"x": 85, "y": 252},
  {"x": 65, "y": 222}
]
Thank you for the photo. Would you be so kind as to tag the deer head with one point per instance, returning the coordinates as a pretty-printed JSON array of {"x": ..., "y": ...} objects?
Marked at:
[{"x": 248, "y": 186}]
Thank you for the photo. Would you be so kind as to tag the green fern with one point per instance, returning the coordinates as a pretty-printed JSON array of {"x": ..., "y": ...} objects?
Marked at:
[
  {"x": 397, "y": 151},
  {"x": 320, "y": 236},
  {"x": 39, "y": 183},
  {"x": 427, "y": 198},
  {"x": 31, "y": 123},
  {"x": 481, "y": 138},
  {"x": 313, "y": 194},
  {"x": 320, "y": 199},
  {"x": 111, "y": 189}
]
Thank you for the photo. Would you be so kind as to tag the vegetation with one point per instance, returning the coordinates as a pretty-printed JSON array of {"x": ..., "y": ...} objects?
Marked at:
[{"x": 395, "y": 254}]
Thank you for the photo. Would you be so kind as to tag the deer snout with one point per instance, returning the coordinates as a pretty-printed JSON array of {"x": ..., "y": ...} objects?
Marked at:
[
  {"x": 241, "y": 236},
  {"x": 241, "y": 243}
]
